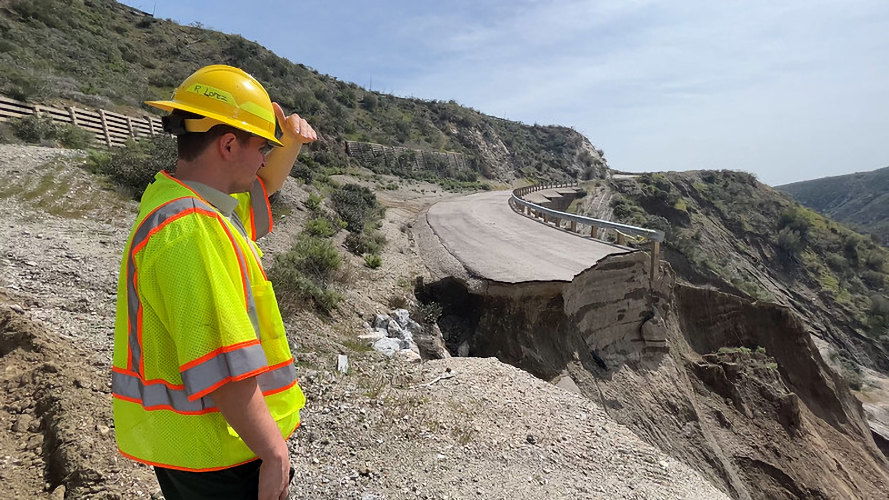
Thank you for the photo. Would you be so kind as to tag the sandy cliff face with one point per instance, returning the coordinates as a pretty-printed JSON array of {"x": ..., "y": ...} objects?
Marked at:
[{"x": 734, "y": 388}]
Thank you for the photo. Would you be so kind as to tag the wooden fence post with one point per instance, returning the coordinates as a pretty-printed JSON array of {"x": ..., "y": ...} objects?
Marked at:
[
  {"x": 130, "y": 126},
  {"x": 105, "y": 127},
  {"x": 73, "y": 115},
  {"x": 150, "y": 125}
]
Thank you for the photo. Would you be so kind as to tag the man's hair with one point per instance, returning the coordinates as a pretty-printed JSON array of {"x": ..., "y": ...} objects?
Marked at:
[{"x": 190, "y": 145}]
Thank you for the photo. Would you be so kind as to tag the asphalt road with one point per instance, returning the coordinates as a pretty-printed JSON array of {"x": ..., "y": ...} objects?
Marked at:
[{"x": 493, "y": 242}]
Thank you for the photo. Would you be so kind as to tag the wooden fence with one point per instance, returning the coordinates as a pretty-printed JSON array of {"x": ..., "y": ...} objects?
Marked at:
[{"x": 110, "y": 129}]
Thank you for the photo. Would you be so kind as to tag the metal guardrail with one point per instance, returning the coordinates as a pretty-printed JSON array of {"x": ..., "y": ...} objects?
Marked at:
[
  {"x": 109, "y": 129},
  {"x": 527, "y": 208}
]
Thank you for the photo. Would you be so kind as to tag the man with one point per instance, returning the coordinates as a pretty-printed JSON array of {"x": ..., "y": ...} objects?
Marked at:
[{"x": 203, "y": 379}]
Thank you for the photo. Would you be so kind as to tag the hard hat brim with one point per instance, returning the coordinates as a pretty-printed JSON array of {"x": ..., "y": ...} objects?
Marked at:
[{"x": 171, "y": 105}]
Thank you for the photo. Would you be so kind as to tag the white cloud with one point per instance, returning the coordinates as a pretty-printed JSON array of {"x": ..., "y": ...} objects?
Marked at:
[{"x": 751, "y": 85}]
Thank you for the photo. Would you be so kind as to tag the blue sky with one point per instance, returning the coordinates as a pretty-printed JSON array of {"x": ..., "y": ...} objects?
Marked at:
[{"x": 788, "y": 90}]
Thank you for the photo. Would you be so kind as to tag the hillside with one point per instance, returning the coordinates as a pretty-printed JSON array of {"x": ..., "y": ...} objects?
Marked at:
[
  {"x": 860, "y": 200},
  {"x": 103, "y": 54},
  {"x": 726, "y": 229}
]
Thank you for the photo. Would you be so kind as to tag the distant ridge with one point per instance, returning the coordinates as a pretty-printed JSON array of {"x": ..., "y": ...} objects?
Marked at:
[{"x": 860, "y": 200}]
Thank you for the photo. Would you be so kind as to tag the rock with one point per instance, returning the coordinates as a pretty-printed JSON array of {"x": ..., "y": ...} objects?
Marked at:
[
  {"x": 387, "y": 346},
  {"x": 410, "y": 346},
  {"x": 402, "y": 316},
  {"x": 408, "y": 356},
  {"x": 342, "y": 363},
  {"x": 395, "y": 330},
  {"x": 58, "y": 493},
  {"x": 567, "y": 383},
  {"x": 413, "y": 327},
  {"x": 374, "y": 336},
  {"x": 463, "y": 350},
  {"x": 381, "y": 321},
  {"x": 103, "y": 429},
  {"x": 431, "y": 343},
  {"x": 22, "y": 423},
  {"x": 17, "y": 308},
  {"x": 406, "y": 337}
]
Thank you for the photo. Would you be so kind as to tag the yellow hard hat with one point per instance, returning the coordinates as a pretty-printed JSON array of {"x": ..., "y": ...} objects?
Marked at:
[{"x": 224, "y": 95}]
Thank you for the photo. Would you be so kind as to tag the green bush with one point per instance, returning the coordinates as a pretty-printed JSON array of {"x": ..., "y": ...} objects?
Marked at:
[
  {"x": 42, "y": 130},
  {"x": 356, "y": 204},
  {"x": 428, "y": 313},
  {"x": 135, "y": 164},
  {"x": 365, "y": 242},
  {"x": 74, "y": 137},
  {"x": 35, "y": 129},
  {"x": 373, "y": 260},
  {"x": 313, "y": 203},
  {"x": 302, "y": 171},
  {"x": 305, "y": 272},
  {"x": 321, "y": 226},
  {"x": 797, "y": 219},
  {"x": 790, "y": 241}
]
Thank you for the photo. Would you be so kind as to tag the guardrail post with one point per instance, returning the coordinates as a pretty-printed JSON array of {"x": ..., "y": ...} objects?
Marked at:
[
  {"x": 621, "y": 238},
  {"x": 573, "y": 226}
]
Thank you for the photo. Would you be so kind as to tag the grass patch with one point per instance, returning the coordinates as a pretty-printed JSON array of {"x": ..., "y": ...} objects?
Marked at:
[{"x": 373, "y": 261}]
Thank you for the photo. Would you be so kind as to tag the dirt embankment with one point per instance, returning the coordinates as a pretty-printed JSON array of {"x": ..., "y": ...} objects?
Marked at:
[
  {"x": 735, "y": 389},
  {"x": 56, "y": 413}
]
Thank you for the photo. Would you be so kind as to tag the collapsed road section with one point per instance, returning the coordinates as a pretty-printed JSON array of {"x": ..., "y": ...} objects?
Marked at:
[{"x": 731, "y": 387}]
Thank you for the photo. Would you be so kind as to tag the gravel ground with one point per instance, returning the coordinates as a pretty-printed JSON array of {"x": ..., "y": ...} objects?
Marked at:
[{"x": 487, "y": 430}]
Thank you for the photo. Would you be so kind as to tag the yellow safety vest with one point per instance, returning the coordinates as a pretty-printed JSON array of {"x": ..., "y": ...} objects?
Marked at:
[{"x": 195, "y": 311}]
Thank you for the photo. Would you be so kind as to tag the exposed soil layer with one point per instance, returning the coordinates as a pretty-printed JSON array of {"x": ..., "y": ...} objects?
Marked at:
[{"x": 734, "y": 388}]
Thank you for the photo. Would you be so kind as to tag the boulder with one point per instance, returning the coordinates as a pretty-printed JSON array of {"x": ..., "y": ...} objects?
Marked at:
[
  {"x": 381, "y": 321},
  {"x": 463, "y": 350},
  {"x": 395, "y": 330},
  {"x": 402, "y": 316},
  {"x": 431, "y": 343},
  {"x": 409, "y": 356},
  {"x": 387, "y": 346}
]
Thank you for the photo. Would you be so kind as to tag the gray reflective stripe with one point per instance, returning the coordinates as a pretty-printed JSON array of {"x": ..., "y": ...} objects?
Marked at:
[
  {"x": 153, "y": 395},
  {"x": 152, "y": 221},
  {"x": 232, "y": 364},
  {"x": 262, "y": 221},
  {"x": 277, "y": 378}
]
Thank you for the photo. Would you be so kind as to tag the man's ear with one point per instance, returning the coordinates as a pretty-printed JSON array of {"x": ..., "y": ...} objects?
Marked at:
[{"x": 226, "y": 145}]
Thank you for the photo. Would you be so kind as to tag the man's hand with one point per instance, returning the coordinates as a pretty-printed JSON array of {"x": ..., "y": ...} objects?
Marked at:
[
  {"x": 297, "y": 132},
  {"x": 274, "y": 479},
  {"x": 243, "y": 406},
  {"x": 295, "y": 128}
]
